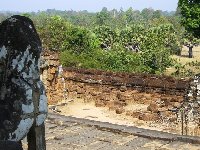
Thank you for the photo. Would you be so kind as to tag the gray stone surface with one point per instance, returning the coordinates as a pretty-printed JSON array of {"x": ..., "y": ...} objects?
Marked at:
[
  {"x": 145, "y": 133},
  {"x": 66, "y": 133}
]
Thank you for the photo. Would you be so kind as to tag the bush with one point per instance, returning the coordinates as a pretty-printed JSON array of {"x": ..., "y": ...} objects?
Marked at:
[{"x": 80, "y": 47}]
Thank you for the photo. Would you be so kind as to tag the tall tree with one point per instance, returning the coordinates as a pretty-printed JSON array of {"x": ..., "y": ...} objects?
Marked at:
[
  {"x": 157, "y": 14},
  {"x": 190, "y": 12},
  {"x": 102, "y": 17},
  {"x": 147, "y": 13}
]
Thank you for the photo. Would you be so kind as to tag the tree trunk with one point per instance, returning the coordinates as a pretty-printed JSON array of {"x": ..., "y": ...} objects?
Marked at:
[{"x": 190, "y": 51}]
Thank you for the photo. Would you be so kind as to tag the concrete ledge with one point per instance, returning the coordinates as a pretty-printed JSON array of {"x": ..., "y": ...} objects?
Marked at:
[{"x": 140, "y": 132}]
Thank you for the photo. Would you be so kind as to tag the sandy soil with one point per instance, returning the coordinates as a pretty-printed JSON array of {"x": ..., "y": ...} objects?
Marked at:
[{"x": 79, "y": 109}]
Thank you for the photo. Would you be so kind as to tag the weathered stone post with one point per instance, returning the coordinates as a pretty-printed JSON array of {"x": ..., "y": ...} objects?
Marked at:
[
  {"x": 23, "y": 102},
  {"x": 190, "y": 108}
]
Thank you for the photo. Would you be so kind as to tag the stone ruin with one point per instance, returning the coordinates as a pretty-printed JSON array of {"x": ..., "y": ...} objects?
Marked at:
[
  {"x": 174, "y": 102},
  {"x": 23, "y": 101},
  {"x": 189, "y": 112}
]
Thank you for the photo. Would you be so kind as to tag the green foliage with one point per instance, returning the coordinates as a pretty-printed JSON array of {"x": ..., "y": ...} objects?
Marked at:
[
  {"x": 182, "y": 70},
  {"x": 165, "y": 36},
  {"x": 157, "y": 14},
  {"x": 106, "y": 35},
  {"x": 156, "y": 60},
  {"x": 54, "y": 32},
  {"x": 121, "y": 60},
  {"x": 147, "y": 13},
  {"x": 190, "y": 19},
  {"x": 189, "y": 39},
  {"x": 69, "y": 59},
  {"x": 156, "y": 45},
  {"x": 102, "y": 18},
  {"x": 84, "y": 60},
  {"x": 58, "y": 34},
  {"x": 134, "y": 34},
  {"x": 132, "y": 16},
  {"x": 79, "y": 38},
  {"x": 190, "y": 12}
]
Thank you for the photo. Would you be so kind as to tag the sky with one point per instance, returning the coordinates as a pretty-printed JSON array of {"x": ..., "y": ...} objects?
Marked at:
[{"x": 90, "y": 5}]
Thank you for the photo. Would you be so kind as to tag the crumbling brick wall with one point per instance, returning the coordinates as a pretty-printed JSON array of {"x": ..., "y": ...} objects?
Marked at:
[{"x": 162, "y": 94}]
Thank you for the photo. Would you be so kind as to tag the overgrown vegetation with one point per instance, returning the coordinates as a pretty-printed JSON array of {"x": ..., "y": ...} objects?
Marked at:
[{"x": 128, "y": 41}]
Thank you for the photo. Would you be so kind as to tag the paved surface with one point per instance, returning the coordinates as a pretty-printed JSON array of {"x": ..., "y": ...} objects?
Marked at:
[{"x": 68, "y": 133}]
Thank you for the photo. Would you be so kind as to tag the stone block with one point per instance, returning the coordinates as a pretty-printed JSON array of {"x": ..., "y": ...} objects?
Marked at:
[
  {"x": 119, "y": 110},
  {"x": 136, "y": 114},
  {"x": 123, "y": 88},
  {"x": 100, "y": 103},
  {"x": 153, "y": 107},
  {"x": 149, "y": 116}
]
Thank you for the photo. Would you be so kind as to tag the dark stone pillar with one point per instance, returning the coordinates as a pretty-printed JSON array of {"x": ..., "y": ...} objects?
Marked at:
[{"x": 23, "y": 102}]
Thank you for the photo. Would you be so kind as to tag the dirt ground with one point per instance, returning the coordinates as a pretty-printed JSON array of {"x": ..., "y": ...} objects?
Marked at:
[
  {"x": 183, "y": 59},
  {"x": 79, "y": 109}
]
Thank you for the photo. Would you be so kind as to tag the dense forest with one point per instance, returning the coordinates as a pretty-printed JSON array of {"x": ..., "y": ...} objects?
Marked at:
[{"x": 116, "y": 40}]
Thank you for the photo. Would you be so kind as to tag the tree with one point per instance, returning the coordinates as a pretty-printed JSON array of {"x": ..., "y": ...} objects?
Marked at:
[
  {"x": 129, "y": 15},
  {"x": 106, "y": 35},
  {"x": 79, "y": 36},
  {"x": 190, "y": 42},
  {"x": 54, "y": 32},
  {"x": 132, "y": 37},
  {"x": 147, "y": 13},
  {"x": 59, "y": 35},
  {"x": 190, "y": 13},
  {"x": 80, "y": 40},
  {"x": 157, "y": 14},
  {"x": 190, "y": 18},
  {"x": 102, "y": 18}
]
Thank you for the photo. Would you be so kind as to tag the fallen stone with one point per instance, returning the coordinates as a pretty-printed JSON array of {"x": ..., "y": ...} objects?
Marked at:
[
  {"x": 100, "y": 103},
  {"x": 176, "y": 104},
  {"x": 153, "y": 107},
  {"x": 123, "y": 88},
  {"x": 119, "y": 110},
  {"x": 167, "y": 102},
  {"x": 135, "y": 114},
  {"x": 148, "y": 117}
]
